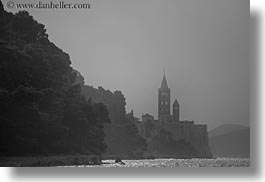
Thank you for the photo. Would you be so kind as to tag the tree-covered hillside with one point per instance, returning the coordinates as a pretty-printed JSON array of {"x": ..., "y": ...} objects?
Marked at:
[
  {"x": 122, "y": 135},
  {"x": 42, "y": 110},
  {"x": 45, "y": 108}
]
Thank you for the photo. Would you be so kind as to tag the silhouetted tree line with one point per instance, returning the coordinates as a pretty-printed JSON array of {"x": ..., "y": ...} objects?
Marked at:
[
  {"x": 42, "y": 110},
  {"x": 122, "y": 135}
]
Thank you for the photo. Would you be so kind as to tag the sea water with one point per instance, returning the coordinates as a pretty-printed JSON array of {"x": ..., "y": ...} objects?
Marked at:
[{"x": 218, "y": 162}]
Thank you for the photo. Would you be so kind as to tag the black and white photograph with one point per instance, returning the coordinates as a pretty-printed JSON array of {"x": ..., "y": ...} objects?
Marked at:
[{"x": 124, "y": 83}]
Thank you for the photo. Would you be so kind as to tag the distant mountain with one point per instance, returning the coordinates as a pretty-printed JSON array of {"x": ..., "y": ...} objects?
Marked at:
[
  {"x": 230, "y": 141},
  {"x": 226, "y": 128}
]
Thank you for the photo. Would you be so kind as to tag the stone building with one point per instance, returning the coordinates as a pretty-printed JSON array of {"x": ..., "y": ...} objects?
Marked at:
[{"x": 195, "y": 134}]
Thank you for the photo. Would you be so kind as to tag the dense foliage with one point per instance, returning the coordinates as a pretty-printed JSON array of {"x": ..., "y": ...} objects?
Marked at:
[
  {"x": 122, "y": 135},
  {"x": 42, "y": 110},
  {"x": 149, "y": 128}
]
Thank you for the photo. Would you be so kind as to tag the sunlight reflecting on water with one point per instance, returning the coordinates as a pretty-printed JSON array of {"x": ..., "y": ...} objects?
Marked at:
[{"x": 219, "y": 162}]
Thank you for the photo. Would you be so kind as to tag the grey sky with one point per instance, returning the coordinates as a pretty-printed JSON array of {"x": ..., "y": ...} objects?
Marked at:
[{"x": 125, "y": 45}]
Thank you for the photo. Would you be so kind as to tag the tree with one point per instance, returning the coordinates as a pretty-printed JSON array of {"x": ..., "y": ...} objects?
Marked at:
[
  {"x": 42, "y": 110},
  {"x": 122, "y": 136}
]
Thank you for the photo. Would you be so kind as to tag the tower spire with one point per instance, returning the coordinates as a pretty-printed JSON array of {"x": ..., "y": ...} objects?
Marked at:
[
  {"x": 164, "y": 101},
  {"x": 164, "y": 83}
]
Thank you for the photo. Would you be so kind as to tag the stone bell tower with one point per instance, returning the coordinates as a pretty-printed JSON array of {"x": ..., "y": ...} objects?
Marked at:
[{"x": 164, "y": 101}]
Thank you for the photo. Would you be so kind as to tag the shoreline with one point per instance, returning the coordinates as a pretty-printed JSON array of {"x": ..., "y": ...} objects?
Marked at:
[
  {"x": 78, "y": 160},
  {"x": 49, "y": 161}
]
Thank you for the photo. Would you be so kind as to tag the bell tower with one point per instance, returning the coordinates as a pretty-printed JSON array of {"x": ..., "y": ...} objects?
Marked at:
[
  {"x": 176, "y": 110},
  {"x": 163, "y": 101}
]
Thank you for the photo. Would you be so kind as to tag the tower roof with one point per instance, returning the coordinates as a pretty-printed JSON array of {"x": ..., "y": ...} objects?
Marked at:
[
  {"x": 176, "y": 102},
  {"x": 164, "y": 83}
]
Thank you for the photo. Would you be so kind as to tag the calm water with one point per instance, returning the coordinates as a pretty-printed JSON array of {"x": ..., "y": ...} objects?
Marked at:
[{"x": 219, "y": 162}]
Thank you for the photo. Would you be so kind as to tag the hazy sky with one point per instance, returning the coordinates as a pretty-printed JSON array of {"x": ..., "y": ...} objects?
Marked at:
[{"x": 125, "y": 45}]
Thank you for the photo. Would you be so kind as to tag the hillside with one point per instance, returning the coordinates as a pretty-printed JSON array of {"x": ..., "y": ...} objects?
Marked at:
[
  {"x": 230, "y": 141},
  {"x": 226, "y": 128},
  {"x": 42, "y": 111}
]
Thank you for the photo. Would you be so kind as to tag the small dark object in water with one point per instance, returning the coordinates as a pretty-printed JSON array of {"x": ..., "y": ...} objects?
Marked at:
[{"x": 118, "y": 160}]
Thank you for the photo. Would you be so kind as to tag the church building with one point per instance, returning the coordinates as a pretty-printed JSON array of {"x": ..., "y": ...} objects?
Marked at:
[{"x": 195, "y": 134}]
